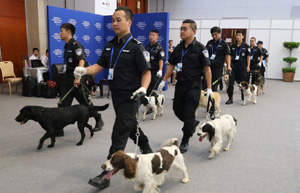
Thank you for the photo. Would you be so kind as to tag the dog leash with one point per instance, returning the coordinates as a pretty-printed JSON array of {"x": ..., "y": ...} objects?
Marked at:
[
  {"x": 227, "y": 72},
  {"x": 82, "y": 89},
  {"x": 137, "y": 97},
  {"x": 211, "y": 110},
  {"x": 154, "y": 86}
]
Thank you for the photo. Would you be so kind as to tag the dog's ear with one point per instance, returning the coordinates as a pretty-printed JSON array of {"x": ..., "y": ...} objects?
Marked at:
[
  {"x": 208, "y": 128},
  {"x": 37, "y": 111},
  {"x": 129, "y": 167}
]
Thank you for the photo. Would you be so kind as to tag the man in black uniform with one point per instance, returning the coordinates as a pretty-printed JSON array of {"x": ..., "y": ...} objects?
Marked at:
[
  {"x": 73, "y": 56},
  {"x": 240, "y": 64},
  {"x": 129, "y": 74},
  {"x": 255, "y": 57},
  {"x": 191, "y": 58},
  {"x": 265, "y": 55},
  {"x": 219, "y": 53},
  {"x": 157, "y": 56}
]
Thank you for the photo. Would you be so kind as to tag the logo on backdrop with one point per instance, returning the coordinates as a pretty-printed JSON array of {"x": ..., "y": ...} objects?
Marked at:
[
  {"x": 58, "y": 52},
  {"x": 98, "y": 39},
  {"x": 87, "y": 52},
  {"x": 158, "y": 24},
  {"x": 141, "y": 25},
  {"x": 75, "y": 36},
  {"x": 109, "y": 26},
  {"x": 56, "y": 36},
  {"x": 72, "y": 21},
  {"x": 86, "y": 24},
  {"x": 160, "y": 39},
  {"x": 86, "y": 38},
  {"x": 141, "y": 39},
  {"x": 108, "y": 38},
  {"x": 57, "y": 20},
  {"x": 98, "y": 52},
  {"x": 98, "y": 26}
]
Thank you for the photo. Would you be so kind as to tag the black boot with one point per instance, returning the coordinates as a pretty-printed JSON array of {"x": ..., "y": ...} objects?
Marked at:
[
  {"x": 100, "y": 181},
  {"x": 99, "y": 124},
  {"x": 230, "y": 101},
  {"x": 184, "y": 146},
  {"x": 145, "y": 148}
]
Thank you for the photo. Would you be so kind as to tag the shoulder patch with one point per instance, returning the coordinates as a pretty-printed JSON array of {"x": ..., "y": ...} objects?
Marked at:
[
  {"x": 136, "y": 41},
  {"x": 162, "y": 53},
  {"x": 205, "y": 53},
  {"x": 78, "y": 52},
  {"x": 146, "y": 55},
  {"x": 249, "y": 49}
]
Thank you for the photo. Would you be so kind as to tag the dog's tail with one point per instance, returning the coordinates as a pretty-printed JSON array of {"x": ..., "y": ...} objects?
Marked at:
[
  {"x": 170, "y": 142},
  {"x": 101, "y": 108},
  {"x": 235, "y": 120}
]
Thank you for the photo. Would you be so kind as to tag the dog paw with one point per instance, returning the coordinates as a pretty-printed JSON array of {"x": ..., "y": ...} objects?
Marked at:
[
  {"x": 185, "y": 180},
  {"x": 254, "y": 102},
  {"x": 211, "y": 156},
  {"x": 226, "y": 149},
  {"x": 50, "y": 146},
  {"x": 244, "y": 104},
  {"x": 39, "y": 147},
  {"x": 79, "y": 143}
]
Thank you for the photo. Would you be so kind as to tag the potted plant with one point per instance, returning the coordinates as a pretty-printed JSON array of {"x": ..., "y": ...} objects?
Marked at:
[{"x": 288, "y": 72}]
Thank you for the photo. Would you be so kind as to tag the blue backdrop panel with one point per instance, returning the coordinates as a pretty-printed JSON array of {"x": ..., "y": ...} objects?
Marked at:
[{"x": 89, "y": 32}]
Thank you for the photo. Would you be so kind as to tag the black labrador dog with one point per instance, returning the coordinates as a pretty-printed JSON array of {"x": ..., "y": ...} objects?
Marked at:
[{"x": 55, "y": 119}]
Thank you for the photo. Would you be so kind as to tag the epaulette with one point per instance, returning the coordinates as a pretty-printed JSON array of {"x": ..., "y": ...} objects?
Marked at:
[{"x": 136, "y": 41}]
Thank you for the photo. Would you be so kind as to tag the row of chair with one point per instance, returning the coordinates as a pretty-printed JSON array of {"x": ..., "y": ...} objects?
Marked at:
[{"x": 8, "y": 75}]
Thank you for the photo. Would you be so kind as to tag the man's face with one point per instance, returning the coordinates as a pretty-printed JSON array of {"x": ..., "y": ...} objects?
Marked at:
[
  {"x": 170, "y": 43},
  {"x": 47, "y": 54},
  {"x": 119, "y": 22},
  {"x": 252, "y": 42},
  {"x": 64, "y": 33},
  {"x": 259, "y": 46},
  {"x": 153, "y": 37},
  {"x": 186, "y": 32},
  {"x": 239, "y": 37},
  {"x": 216, "y": 36},
  {"x": 36, "y": 52}
]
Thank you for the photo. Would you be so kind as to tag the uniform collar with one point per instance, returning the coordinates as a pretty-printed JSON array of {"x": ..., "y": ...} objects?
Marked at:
[
  {"x": 123, "y": 39},
  {"x": 240, "y": 45},
  {"x": 153, "y": 44},
  {"x": 193, "y": 42},
  {"x": 71, "y": 41}
]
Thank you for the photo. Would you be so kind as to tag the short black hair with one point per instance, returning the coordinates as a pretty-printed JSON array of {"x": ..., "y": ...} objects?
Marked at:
[
  {"x": 192, "y": 23},
  {"x": 128, "y": 12},
  {"x": 47, "y": 51},
  {"x": 34, "y": 49},
  {"x": 260, "y": 42},
  {"x": 253, "y": 38},
  {"x": 170, "y": 41},
  {"x": 240, "y": 32},
  {"x": 154, "y": 31},
  {"x": 215, "y": 29},
  {"x": 68, "y": 26}
]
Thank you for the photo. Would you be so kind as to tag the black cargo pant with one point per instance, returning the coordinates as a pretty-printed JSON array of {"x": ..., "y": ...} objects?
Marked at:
[
  {"x": 126, "y": 126},
  {"x": 152, "y": 84},
  {"x": 238, "y": 74},
  {"x": 186, "y": 101}
]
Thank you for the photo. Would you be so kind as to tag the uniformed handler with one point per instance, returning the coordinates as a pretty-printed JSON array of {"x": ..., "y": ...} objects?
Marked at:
[
  {"x": 157, "y": 56},
  {"x": 256, "y": 56},
  {"x": 129, "y": 74},
  {"x": 219, "y": 53},
  {"x": 240, "y": 64},
  {"x": 191, "y": 58},
  {"x": 73, "y": 56},
  {"x": 265, "y": 55}
]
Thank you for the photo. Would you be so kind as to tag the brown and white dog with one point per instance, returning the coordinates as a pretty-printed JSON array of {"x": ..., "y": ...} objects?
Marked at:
[
  {"x": 249, "y": 91},
  {"x": 226, "y": 80},
  {"x": 156, "y": 103},
  {"x": 204, "y": 100},
  {"x": 148, "y": 171},
  {"x": 215, "y": 131}
]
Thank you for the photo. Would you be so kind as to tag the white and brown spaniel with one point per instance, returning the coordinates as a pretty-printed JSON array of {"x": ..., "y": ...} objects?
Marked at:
[
  {"x": 148, "y": 171},
  {"x": 250, "y": 92},
  {"x": 215, "y": 131}
]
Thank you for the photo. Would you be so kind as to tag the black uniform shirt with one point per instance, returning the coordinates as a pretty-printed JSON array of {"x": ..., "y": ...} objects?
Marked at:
[
  {"x": 157, "y": 53},
  {"x": 193, "y": 61},
  {"x": 221, "y": 51},
  {"x": 73, "y": 53},
  {"x": 255, "y": 53},
  {"x": 243, "y": 51},
  {"x": 132, "y": 62},
  {"x": 264, "y": 53}
]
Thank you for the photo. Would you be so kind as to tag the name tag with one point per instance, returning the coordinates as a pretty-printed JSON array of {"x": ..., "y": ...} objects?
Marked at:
[
  {"x": 179, "y": 67},
  {"x": 251, "y": 57},
  {"x": 237, "y": 57},
  {"x": 110, "y": 74},
  {"x": 212, "y": 57},
  {"x": 258, "y": 58}
]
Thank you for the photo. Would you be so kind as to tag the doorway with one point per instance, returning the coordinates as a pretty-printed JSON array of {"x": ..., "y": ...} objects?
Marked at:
[{"x": 228, "y": 35}]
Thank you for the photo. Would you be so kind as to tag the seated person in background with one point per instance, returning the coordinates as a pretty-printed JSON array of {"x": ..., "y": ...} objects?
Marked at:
[
  {"x": 35, "y": 55},
  {"x": 45, "y": 59}
]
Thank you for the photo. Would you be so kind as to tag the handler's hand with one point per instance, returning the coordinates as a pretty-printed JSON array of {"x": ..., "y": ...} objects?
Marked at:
[{"x": 76, "y": 82}]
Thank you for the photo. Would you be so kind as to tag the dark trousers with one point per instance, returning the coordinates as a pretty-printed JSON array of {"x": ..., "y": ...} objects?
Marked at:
[
  {"x": 216, "y": 74},
  {"x": 186, "y": 101},
  {"x": 79, "y": 93},
  {"x": 152, "y": 84},
  {"x": 237, "y": 75},
  {"x": 126, "y": 126},
  {"x": 262, "y": 70}
]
